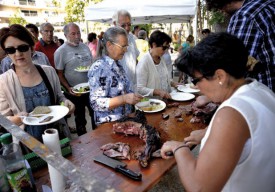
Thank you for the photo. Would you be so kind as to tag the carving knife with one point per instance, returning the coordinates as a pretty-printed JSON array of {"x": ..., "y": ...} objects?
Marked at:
[{"x": 118, "y": 166}]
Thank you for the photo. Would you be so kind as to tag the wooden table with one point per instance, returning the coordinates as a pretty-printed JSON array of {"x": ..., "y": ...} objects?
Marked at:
[{"x": 88, "y": 145}]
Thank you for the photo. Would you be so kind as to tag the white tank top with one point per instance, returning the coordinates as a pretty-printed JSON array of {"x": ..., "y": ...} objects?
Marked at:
[{"x": 256, "y": 168}]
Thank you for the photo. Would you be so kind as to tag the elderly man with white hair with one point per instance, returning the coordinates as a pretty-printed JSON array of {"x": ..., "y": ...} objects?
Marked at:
[{"x": 122, "y": 18}]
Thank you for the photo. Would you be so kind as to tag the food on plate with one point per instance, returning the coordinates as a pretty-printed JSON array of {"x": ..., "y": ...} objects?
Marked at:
[
  {"x": 138, "y": 126},
  {"x": 117, "y": 150},
  {"x": 47, "y": 119},
  {"x": 82, "y": 68},
  {"x": 41, "y": 110},
  {"x": 144, "y": 99},
  {"x": 82, "y": 89},
  {"x": 152, "y": 106}
]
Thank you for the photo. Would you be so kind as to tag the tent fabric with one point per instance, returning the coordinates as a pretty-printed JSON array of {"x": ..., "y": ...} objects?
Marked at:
[{"x": 144, "y": 11}]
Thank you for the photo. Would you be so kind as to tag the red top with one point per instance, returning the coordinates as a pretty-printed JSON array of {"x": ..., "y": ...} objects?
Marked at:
[{"x": 47, "y": 49}]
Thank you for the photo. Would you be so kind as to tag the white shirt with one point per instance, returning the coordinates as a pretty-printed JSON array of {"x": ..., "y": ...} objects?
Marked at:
[
  {"x": 129, "y": 60},
  {"x": 256, "y": 172},
  {"x": 149, "y": 78}
]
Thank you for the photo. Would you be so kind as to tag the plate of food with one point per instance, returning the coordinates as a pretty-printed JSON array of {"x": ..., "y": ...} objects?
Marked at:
[
  {"x": 188, "y": 88},
  {"x": 81, "y": 88},
  {"x": 82, "y": 68},
  {"x": 151, "y": 106},
  {"x": 43, "y": 115},
  {"x": 180, "y": 96}
]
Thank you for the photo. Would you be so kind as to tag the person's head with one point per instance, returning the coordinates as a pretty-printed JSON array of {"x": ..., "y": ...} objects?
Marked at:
[
  {"x": 46, "y": 30},
  {"x": 55, "y": 39},
  {"x": 227, "y": 6},
  {"x": 60, "y": 42},
  {"x": 72, "y": 34},
  {"x": 100, "y": 36},
  {"x": 136, "y": 30},
  {"x": 122, "y": 18},
  {"x": 205, "y": 32},
  {"x": 17, "y": 42},
  {"x": 115, "y": 42},
  {"x": 33, "y": 29},
  {"x": 190, "y": 38},
  {"x": 159, "y": 42},
  {"x": 91, "y": 37},
  {"x": 217, "y": 61},
  {"x": 142, "y": 34}
]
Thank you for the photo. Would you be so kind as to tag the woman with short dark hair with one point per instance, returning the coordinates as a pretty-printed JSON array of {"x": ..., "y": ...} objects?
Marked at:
[
  {"x": 234, "y": 155},
  {"x": 153, "y": 78},
  {"x": 26, "y": 85}
]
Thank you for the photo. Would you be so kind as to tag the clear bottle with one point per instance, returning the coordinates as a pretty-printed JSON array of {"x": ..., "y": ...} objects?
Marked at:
[
  {"x": 16, "y": 170},
  {"x": 4, "y": 185}
]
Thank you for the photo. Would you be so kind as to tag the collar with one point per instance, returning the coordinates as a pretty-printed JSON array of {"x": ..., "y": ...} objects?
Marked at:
[{"x": 43, "y": 43}]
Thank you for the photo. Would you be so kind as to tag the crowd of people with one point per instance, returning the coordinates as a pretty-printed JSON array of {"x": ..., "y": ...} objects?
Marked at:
[{"x": 124, "y": 66}]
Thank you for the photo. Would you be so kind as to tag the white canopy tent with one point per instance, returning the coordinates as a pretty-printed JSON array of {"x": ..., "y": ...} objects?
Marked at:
[{"x": 144, "y": 11}]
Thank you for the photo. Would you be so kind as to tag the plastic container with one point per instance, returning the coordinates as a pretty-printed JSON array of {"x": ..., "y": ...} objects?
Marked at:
[
  {"x": 16, "y": 170},
  {"x": 4, "y": 184}
]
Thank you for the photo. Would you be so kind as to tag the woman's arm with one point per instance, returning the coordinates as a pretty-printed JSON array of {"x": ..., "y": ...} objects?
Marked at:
[{"x": 218, "y": 157}]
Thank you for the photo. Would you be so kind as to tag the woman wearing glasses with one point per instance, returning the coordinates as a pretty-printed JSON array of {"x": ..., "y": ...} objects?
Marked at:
[
  {"x": 153, "y": 78},
  {"x": 111, "y": 96},
  {"x": 26, "y": 85},
  {"x": 237, "y": 151}
]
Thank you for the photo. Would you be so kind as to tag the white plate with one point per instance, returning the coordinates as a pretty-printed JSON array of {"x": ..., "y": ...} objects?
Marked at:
[
  {"x": 57, "y": 111},
  {"x": 162, "y": 104},
  {"x": 178, "y": 96},
  {"x": 81, "y": 85},
  {"x": 187, "y": 89}
]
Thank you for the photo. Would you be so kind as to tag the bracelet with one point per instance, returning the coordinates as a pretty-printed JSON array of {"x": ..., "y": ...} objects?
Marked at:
[{"x": 179, "y": 148}]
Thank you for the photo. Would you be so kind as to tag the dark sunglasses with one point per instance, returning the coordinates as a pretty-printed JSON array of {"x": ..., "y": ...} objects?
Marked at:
[
  {"x": 20, "y": 48},
  {"x": 196, "y": 80},
  {"x": 126, "y": 24},
  {"x": 164, "y": 47}
]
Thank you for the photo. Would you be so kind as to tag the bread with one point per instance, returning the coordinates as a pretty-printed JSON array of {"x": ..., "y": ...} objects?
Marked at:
[{"x": 41, "y": 110}]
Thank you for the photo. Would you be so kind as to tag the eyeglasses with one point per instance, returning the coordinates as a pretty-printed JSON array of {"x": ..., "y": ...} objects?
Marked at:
[
  {"x": 20, "y": 48},
  {"x": 122, "y": 47},
  {"x": 126, "y": 24},
  {"x": 164, "y": 47},
  {"x": 197, "y": 79}
]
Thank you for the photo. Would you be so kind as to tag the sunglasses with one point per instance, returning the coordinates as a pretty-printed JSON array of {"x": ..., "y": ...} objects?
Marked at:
[
  {"x": 20, "y": 48},
  {"x": 196, "y": 80},
  {"x": 164, "y": 47},
  {"x": 126, "y": 24}
]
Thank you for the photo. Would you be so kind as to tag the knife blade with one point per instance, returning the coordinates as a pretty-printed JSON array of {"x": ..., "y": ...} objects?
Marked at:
[{"x": 118, "y": 166}]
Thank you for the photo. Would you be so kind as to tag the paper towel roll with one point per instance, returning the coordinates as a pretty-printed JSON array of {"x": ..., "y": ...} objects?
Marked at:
[{"x": 51, "y": 140}]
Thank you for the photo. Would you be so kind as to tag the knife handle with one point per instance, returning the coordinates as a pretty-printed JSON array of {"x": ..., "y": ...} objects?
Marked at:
[{"x": 128, "y": 173}]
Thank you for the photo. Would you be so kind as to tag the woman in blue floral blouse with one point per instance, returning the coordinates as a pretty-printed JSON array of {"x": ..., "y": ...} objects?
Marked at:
[{"x": 110, "y": 94}]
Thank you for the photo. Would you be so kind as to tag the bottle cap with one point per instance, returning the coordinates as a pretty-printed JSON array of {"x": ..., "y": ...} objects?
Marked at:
[{"x": 6, "y": 138}]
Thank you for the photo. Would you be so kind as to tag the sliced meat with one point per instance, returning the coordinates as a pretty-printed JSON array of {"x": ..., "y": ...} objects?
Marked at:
[{"x": 117, "y": 150}]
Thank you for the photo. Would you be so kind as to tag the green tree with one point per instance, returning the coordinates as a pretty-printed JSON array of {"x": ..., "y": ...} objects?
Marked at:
[
  {"x": 17, "y": 19},
  {"x": 75, "y": 9}
]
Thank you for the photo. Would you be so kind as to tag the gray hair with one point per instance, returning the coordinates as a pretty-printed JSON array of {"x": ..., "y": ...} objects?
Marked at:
[
  {"x": 67, "y": 26},
  {"x": 43, "y": 25},
  {"x": 111, "y": 35},
  {"x": 121, "y": 12}
]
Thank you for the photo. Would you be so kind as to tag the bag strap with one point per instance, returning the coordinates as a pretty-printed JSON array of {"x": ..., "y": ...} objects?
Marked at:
[{"x": 47, "y": 83}]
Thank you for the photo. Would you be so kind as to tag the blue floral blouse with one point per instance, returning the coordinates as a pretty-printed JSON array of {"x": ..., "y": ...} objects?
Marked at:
[{"x": 107, "y": 79}]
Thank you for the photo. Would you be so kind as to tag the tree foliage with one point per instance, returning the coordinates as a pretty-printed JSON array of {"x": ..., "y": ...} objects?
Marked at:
[
  {"x": 17, "y": 19},
  {"x": 75, "y": 9}
]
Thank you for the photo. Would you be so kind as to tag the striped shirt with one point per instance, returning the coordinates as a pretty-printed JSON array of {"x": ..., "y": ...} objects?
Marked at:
[{"x": 254, "y": 24}]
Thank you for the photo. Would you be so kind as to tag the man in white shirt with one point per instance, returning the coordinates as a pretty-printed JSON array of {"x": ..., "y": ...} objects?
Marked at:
[{"x": 122, "y": 18}]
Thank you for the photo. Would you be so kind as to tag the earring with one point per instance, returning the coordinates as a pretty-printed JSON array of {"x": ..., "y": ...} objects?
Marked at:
[{"x": 220, "y": 83}]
